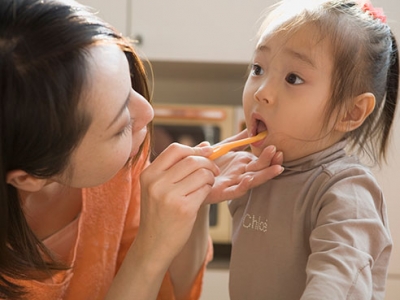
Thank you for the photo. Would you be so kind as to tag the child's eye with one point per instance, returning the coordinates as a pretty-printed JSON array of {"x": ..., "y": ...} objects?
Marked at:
[
  {"x": 293, "y": 79},
  {"x": 256, "y": 70}
]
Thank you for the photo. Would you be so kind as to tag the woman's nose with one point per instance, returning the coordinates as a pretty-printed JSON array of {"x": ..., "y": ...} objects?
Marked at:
[{"x": 141, "y": 110}]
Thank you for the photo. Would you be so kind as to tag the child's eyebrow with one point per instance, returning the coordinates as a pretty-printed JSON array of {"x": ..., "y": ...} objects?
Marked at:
[
  {"x": 263, "y": 48},
  {"x": 303, "y": 57},
  {"x": 297, "y": 55},
  {"x": 121, "y": 110}
]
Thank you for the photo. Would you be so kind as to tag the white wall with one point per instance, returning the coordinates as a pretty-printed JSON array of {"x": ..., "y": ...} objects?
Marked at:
[{"x": 389, "y": 175}]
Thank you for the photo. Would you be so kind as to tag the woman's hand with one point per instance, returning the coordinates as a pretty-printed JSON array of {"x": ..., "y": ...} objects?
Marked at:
[
  {"x": 241, "y": 171},
  {"x": 174, "y": 187}
]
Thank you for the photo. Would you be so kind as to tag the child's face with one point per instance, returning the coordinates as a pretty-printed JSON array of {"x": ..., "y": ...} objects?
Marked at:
[
  {"x": 287, "y": 91},
  {"x": 119, "y": 119}
]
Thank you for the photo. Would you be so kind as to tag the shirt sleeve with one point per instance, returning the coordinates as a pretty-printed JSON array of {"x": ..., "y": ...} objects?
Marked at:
[{"x": 350, "y": 243}]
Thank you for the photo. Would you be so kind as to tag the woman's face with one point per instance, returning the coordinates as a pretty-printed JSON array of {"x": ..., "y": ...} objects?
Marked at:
[{"x": 119, "y": 120}]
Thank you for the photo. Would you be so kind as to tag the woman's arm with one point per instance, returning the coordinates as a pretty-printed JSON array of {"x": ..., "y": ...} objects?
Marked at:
[
  {"x": 188, "y": 263},
  {"x": 141, "y": 273},
  {"x": 173, "y": 189}
]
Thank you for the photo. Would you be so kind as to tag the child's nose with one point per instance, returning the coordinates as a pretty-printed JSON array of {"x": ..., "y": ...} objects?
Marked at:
[{"x": 264, "y": 93}]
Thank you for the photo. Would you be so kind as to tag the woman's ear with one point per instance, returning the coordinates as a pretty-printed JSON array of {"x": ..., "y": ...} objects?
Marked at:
[
  {"x": 25, "y": 182},
  {"x": 363, "y": 105}
]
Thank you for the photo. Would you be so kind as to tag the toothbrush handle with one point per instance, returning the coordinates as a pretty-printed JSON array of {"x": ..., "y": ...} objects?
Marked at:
[{"x": 225, "y": 148}]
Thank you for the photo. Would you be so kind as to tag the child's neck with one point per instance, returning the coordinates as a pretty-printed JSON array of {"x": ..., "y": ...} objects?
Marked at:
[{"x": 314, "y": 147}]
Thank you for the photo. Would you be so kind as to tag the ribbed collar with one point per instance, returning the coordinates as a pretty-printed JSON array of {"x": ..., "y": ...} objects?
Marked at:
[{"x": 316, "y": 159}]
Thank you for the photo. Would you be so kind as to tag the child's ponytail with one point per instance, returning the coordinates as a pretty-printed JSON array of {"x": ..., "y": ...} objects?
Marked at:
[{"x": 389, "y": 106}]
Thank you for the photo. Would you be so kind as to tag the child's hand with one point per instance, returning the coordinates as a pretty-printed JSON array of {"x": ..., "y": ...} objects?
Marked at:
[
  {"x": 174, "y": 187},
  {"x": 241, "y": 171}
]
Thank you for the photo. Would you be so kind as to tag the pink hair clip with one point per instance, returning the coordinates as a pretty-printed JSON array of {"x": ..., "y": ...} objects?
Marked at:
[{"x": 375, "y": 12}]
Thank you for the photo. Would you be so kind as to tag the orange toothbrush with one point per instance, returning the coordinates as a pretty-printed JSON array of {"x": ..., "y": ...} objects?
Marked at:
[{"x": 222, "y": 149}]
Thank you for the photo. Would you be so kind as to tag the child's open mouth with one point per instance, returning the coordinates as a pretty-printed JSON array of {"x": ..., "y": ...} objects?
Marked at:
[{"x": 260, "y": 127}]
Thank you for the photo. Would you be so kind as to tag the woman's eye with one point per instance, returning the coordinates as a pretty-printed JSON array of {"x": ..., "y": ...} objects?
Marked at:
[
  {"x": 256, "y": 70},
  {"x": 127, "y": 129},
  {"x": 293, "y": 79}
]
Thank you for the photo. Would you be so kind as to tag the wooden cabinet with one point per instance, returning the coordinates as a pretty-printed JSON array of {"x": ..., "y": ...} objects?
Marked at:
[
  {"x": 207, "y": 31},
  {"x": 220, "y": 31}
]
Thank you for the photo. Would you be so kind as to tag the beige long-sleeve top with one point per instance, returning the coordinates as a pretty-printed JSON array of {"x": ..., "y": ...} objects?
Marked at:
[{"x": 318, "y": 231}]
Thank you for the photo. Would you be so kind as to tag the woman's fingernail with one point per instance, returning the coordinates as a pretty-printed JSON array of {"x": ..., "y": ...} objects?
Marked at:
[{"x": 207, "y": 150}]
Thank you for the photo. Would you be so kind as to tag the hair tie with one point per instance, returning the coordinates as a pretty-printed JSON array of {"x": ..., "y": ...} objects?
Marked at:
[{"x": 375, "y": 12}]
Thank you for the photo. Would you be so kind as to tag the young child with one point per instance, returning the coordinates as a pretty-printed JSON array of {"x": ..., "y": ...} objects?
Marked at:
[
  {"x": 74, "y": 123},
  {"x": 323, "y": 81}
]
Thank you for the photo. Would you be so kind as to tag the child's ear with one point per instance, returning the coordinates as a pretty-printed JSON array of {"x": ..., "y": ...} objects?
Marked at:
[
  {"x": 25, "y": 182},
  {"x": 363, "y": 105}
]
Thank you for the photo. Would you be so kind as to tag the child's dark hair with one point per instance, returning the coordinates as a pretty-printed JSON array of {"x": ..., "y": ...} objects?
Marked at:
[
  {"x": 365, "y": 59},
  {"x": 43, "y": 52}
]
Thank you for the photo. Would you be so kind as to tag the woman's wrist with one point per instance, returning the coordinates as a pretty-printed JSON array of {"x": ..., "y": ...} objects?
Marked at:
[
  {"x": 187, "y": 264},
  {"x": 141, "y": 274}
]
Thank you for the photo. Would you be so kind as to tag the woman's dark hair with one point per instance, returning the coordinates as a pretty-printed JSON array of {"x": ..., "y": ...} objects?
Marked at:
[{"x": 43, "y": 54}]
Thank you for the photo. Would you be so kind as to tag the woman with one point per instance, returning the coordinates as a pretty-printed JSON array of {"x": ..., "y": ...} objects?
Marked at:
[{"x": 74, "y": 129}]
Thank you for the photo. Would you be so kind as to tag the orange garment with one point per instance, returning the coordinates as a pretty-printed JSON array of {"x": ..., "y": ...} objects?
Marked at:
[{"x": 98, "y": 241}]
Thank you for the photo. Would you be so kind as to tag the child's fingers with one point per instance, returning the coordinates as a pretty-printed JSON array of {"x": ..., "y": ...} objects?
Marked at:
[
  {"x": 264, "y": 160},
  {"x": 277, "y": 159}
]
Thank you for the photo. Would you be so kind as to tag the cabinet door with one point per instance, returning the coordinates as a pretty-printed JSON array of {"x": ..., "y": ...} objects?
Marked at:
[
  {"x": 188, "y": 30},
  {"x": 114, "y": 12}
]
